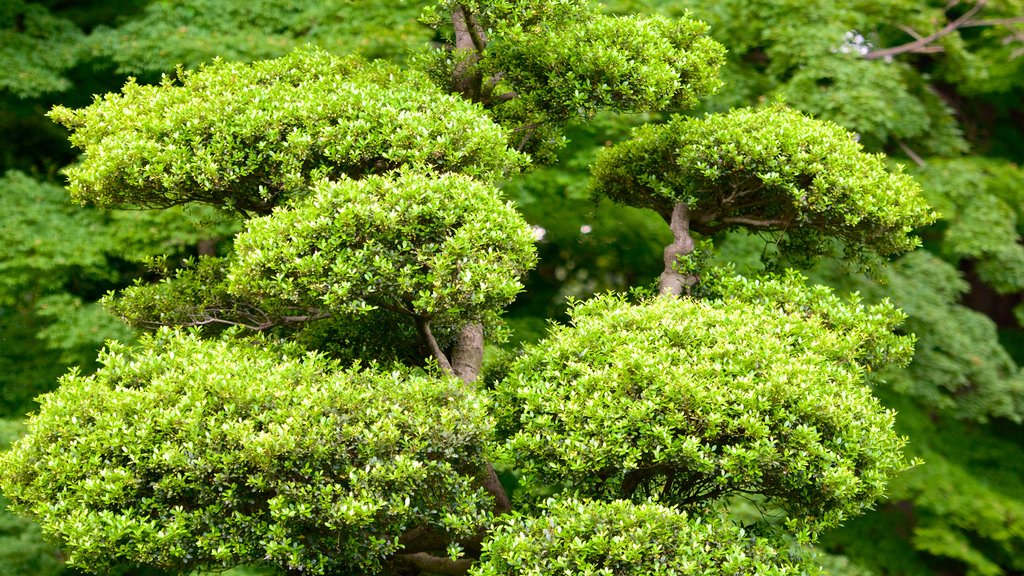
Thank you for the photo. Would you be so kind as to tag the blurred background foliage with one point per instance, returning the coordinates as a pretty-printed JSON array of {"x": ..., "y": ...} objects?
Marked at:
[{"x": 938, "y": 85}]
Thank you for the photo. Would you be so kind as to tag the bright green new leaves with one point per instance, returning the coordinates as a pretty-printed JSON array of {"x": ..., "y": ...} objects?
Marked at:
[
  {"x": 244, "y": 137},
  {"x": 626, "y": 539},
  {"x": 768, "y": 169},
  {"x": 537, "y": 64},
  {"x": 186, "y": 453},
  {"x": 441, "y": 247},
  {"x": 689, "y": 401},
  {"x": 632, "y": 63}
]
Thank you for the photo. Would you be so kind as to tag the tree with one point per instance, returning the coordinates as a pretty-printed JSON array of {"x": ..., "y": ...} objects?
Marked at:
[
  {"x": 316, "y": 399},
  {"x": 950, "y": 107}
]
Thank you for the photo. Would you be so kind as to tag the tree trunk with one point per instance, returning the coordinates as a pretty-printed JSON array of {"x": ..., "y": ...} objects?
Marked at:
[{"x": 671, "y": 281}]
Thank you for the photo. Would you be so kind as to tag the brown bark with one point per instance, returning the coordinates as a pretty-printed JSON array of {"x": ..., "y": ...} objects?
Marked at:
[
  {"x": 924, "y": 43},
  {"x": 671, "y": 281},
  {"x": 424, "y": 562},
  {"x": 468, "y": 352},
  {"x": 423, "y": 324}
]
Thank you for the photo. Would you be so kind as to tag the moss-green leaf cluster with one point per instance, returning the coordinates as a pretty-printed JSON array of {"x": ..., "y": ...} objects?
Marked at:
[
  {"x": 619, "y": 537},
  {"x": 437, "y": 247}
]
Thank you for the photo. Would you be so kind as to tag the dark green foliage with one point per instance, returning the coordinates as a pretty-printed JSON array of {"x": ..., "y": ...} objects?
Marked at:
[
  {"x": 771, "y": 169},
  {"x": 36, "y": 49},
  {"x": 580, "y": 537},
  {"x": 171, "y": 33},
  {"x": 691, "y": 401},
  {"x": 963, "y": 509},
  {"x": 959, "y": 366},
  {"x": 246, "y": 137},
  {"x": 242, "y": 452}
]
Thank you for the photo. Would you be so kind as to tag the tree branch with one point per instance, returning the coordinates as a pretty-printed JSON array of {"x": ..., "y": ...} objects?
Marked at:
[
  {"x": 913, "y": 155},
  {"x": 435, "y": 564},
  {"x": 423, "y": 324},
  {"x": 492, "y": 484},
  {"x": 921, "y": 44}
]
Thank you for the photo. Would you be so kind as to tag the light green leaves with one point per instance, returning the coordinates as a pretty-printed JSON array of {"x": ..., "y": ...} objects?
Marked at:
[
  {"x": 245, "y": 137},
  {"x": 622, "y": 538},
  {"x": 687, "y": 402},
  {"x": 441, "y": 247},
  {"x": 769, "y": 169},
  {"x": 186, "y": 453}
]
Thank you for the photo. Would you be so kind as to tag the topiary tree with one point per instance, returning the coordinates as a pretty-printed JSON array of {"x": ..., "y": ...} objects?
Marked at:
[{"x": 316, "y": 401}]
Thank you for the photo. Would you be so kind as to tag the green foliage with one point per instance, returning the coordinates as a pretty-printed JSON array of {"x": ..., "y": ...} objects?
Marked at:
[
  {"x": 170, "y": 33},
  {"x": 435, "y": 247},
  {"x": 38, "y": 260},
  {"x": 690, "y": 401},
  {"x": 246, "y": 137},
  {"x": 812, "y": 55},
  {"x": 534, "y": 77},
  {"x": 981, "y": 205},
  {"x": 959, "y": 365},
  {"x": 769, "y": 169},
  {"x": 632, "y": 63},
  {"x": 36, "y": 49},
  {"x": 620, "y": 537},
  {"x": 328, "y": 443},
  {"x": 242, "y": 452},
  {"x": 22, "y": 549},
  {"x": 964, "y": 508}
]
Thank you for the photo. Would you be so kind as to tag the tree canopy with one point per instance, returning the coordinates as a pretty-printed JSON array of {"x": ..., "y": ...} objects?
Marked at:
[{"x": 321, "y": 290}]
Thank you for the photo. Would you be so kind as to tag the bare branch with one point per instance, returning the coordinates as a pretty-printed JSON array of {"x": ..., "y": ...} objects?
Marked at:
[
  {"x": 922, "y": 44},
  {"x": 909, "y": 152},
  {"x": 994, "y": 22},
  {"x": 492, "y": 484}
]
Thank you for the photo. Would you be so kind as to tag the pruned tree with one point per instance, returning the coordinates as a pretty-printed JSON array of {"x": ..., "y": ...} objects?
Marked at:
[{"x": 316, "y": 400}]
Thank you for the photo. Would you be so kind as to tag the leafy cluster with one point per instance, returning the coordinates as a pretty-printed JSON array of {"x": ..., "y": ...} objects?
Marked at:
[
  {"x": 522, "y": 60},
  {"x": 247, "y": 453},
  {"x": 246, "y": 137},
  {"x": 583, "y": 537},
  {"x": 436, "y": 247},
  {"x": 374, "y": 233},
  {"x": 769, "y": 169},
  {"x": 691, "y": 401}
]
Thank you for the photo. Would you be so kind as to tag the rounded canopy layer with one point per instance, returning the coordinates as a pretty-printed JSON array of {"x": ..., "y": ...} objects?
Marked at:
[
  {"x": 687, "y": 401},
  {"x": 247, "y": 136},
  {"x": 766, "y": 169},
  {"x": 184, "y": 453}
]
